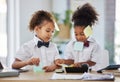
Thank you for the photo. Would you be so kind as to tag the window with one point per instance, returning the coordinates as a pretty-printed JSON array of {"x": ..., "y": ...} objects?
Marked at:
[{"x": 3, "y": 34}]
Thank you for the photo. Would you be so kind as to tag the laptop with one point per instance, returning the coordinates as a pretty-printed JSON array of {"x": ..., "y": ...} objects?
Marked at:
[{"x": 8, "y": 72}]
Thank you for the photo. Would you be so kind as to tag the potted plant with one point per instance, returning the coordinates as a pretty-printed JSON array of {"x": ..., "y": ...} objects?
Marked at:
[{"x": 65, "y": 26}]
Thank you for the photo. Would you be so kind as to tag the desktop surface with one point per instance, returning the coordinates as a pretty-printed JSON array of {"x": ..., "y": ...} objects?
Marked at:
[{"x": 31, "y": 76}]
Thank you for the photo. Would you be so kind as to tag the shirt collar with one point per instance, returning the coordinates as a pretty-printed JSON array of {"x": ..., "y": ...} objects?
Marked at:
[
  {"x": 36, "y": 39},
  {"x": 90, "y": 39}
]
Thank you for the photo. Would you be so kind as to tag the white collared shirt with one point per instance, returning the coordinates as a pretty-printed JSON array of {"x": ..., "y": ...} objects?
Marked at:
[
  {"x": 47, "y": 55},
  {"x": 88, "y": 53}
]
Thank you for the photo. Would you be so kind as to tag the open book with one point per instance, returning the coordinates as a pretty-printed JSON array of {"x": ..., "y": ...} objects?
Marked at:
[{"x": 84, "y": 76}]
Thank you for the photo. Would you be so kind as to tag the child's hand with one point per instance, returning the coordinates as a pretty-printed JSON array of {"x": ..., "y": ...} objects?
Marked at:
[
  {"x": 59, "y": 61},
  {"x": 34, "y": 61},
  {"x": 50, "y": 68},
  {"x": 77, "y": 65}
]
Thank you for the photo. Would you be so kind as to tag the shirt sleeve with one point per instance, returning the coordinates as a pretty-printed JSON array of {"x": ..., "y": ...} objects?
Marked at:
[
  {"x": 96, "y": 53},
  {"x": 68, "y": 52},
  {"x": 23, "y": 53},
  {"x": 57, "y": 56}
]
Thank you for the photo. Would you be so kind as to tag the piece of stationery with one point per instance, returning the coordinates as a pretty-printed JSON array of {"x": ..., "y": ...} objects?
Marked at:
[
  {"x": 78, "y": 46},
  {"x": 38, "y": 68},
  {"x": 88, "y": 31},
  {"x": 56, "y": 26},
  {"x": 66, "y": 76}
]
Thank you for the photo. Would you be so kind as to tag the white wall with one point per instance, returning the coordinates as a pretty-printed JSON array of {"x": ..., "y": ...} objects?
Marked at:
[
  {"x": 59, "y": 7},
  {"x": 26, "y": 9}
]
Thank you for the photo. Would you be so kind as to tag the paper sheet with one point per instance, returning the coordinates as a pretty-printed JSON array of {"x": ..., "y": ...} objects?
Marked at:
[{"x": 64, "y": 76}]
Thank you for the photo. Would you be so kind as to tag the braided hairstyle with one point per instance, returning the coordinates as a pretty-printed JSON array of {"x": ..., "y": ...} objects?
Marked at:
[{"x": 84, "y": 16}]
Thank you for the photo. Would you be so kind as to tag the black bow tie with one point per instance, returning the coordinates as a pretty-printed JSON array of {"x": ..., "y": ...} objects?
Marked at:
[
  {"x": 86, "y": 44},
  {"x": 39, "y": 44}
]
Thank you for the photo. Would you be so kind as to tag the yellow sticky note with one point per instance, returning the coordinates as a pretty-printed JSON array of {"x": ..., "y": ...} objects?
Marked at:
[
  {"x": 56, "y": 27},
  {"x": 72, "y": 65},
  {"x": 88, "y": 31}
]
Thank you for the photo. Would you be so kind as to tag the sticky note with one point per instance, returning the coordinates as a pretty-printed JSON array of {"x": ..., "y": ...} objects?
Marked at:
[
  {"x": 88, "y": 31},
  {"x": 38, "y": 68},
  {"x": 72, "y": 65},
  {"x": 78, "y": 46},
  {"x": 56, "y": 26}
]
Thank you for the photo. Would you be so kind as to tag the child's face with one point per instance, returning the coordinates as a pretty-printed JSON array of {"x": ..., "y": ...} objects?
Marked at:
[
  {"x": 79, "y": 33},
  {"x": 45, "y": 32}
]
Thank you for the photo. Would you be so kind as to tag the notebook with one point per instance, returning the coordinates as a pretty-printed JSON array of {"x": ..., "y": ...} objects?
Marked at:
[{"x": 7, "y": 72}]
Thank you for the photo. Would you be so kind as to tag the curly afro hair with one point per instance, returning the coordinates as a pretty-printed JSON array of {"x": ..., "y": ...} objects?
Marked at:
[
  {"x": 38, "y": 18},
  {"x": 85, "y": 15}
]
